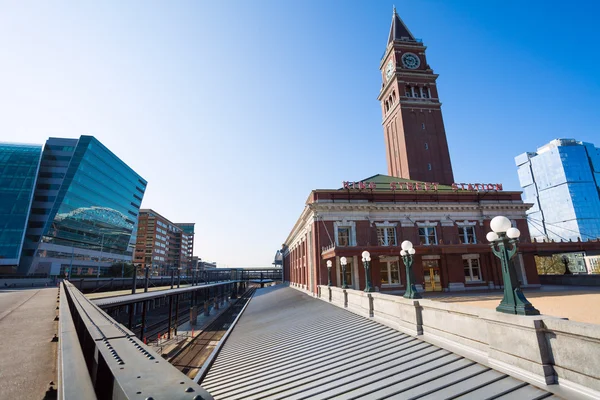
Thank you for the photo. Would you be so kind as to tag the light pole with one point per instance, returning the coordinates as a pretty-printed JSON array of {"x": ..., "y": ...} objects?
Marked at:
[
  {"x": 178, "y": 277},
  {"x": 366, "y": 259},
  {"x": 407, "y": 253},
  {"x": 503, "y": 241},
  {"x": 329, "y": 272},
  {"x": 100, "y": 258},
  {"x": 343, "y": 262}
]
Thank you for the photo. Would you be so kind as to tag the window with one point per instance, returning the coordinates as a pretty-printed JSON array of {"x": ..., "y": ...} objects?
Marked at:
[
  {"x": 408, "y": 91},
  {"x": 423, "y": 125},
  {"x": 426, "y": 146},
  {"x": 429, "y": 166},
  {"x": 386, "y": 236},
  {"x": 472, "y": 269},
  {"x": 390, "y": 273},
  {"x": 348, "y": 272},
  {"x": 415, "y": 92},
  {"x": 425, "y": 92},
  {"x": 343, "y": 236},
  {"x": 466, "y": 234},
  {"x": 427, "y": 235}
]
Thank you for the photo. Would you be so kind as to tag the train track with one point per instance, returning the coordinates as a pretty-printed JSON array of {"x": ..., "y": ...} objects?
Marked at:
[{"x": 191, "y": 358}]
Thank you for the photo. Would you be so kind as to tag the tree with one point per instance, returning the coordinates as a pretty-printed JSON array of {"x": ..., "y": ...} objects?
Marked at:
[
  {"x": 116, "y": 269},
  {"x": 552, "y": 265}
]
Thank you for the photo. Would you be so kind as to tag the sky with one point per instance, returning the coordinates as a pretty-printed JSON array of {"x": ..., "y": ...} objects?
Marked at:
[{"x": 235, "y": 110}]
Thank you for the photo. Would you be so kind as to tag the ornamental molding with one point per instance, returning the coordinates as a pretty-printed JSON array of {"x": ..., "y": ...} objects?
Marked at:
[{"x": 419, "y": 207}]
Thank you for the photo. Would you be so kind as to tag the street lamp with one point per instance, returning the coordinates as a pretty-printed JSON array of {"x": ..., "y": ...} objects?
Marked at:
[
  {"x": 407, "y": 253},
  {"x": 366, "y": 258},
  {"x": 503, "y": 241},
  {"x": 343, "y": 262},
  {"x": 329, "y": 272}
]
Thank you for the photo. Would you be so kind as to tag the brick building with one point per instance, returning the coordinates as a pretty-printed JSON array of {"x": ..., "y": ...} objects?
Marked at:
[
  {"x": 418, "y": 200},
  {"x": 162, "y": 244},
  {"x": 446, "y": 224}
]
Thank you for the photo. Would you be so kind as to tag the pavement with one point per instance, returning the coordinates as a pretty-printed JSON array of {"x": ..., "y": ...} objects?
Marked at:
[
  {"x": 28, "y": 356},
  {"x": 572, "y": 302}
]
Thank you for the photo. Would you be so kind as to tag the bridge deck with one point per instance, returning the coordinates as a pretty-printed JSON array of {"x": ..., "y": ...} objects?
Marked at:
[
  {"x": 288, "y": 345},
  {"x": 28, "y": 356}
]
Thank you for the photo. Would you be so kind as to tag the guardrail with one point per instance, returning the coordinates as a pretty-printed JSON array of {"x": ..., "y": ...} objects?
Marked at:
[{"x": 100, "y": 359}]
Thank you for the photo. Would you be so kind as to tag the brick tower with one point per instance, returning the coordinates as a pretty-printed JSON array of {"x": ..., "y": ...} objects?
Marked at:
[{"x": 415, "y": 139}]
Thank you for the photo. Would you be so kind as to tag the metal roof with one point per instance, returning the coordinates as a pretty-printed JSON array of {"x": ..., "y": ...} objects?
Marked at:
[
  {"x": 288, "y": 345},
  {"x": 141, "y": 296}
]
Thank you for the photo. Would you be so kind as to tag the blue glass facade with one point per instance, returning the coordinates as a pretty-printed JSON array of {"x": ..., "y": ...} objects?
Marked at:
[
  {"x": 562, "y": 181},
  {"x": 85, "y": 210},
  {"x": 19, "y": 164}
]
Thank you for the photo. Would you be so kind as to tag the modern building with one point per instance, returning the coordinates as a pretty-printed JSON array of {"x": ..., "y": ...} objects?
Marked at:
[
  {"x": 83, "y": 216},
  {"x": 162, "y": 245},
  {"x": 562, "y": 181},
  {"x": 186, "y": 237},
  {"x": 418, "y": 201},
  {"x": 19, "y": 165}
]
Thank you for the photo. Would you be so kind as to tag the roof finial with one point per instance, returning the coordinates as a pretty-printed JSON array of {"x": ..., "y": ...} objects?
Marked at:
[{"x": 394, "y": 10}]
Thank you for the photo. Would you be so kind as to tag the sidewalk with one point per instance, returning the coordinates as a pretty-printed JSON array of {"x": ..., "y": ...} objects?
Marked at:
[{"x": 168, "y": 348}]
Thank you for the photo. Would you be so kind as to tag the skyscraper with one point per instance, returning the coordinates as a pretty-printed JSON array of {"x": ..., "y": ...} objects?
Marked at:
[
  {"x": 84, "y": 212},
  {"x": 19, "y": 164},
  {"x": 415, "y": 138},
  {"x": 562, "y": 181},
  {"x": 162, "y": 244}
]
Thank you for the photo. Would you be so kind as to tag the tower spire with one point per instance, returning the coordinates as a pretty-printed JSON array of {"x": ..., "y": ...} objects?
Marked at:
[{"x": 398, "y": 30}]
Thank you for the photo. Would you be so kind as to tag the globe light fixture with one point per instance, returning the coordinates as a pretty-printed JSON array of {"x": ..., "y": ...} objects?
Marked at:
[
  {"x": 329, "y": 263},
  {"x": 503, "y": 241},
  {"x": 407, "y": 253},
  {"x": 343, "y": 261},
  {"x": 366, "y": 259}
]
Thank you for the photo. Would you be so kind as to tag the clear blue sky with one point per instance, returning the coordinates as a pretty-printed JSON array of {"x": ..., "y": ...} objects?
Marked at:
[{"x": 233, "y": 111}]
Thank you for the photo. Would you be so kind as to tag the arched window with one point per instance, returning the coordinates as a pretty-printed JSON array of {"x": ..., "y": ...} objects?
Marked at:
[
  {"x": 387, "y": 106},
  {"x": 408, "y": 91},
  {"x": 393, "y": 96},
  {"x": 425, "y": 92}
]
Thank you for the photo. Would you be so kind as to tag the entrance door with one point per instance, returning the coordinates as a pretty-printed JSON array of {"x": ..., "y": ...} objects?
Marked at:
[{"x": 431, "y": 276}]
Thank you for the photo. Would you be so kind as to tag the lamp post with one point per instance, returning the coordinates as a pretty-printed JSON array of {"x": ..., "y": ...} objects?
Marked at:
[
  {"x": 343, "y": 261},
  {"x": 366, "y": 259},
  {"x": 329, "y": 272},
  {"x": 503, "y": 241},
  {"x": 407, "y": 253},
  {"x": 178, "y": 277}
]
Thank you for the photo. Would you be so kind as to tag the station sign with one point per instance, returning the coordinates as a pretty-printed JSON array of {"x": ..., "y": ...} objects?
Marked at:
[{"x": 425, "y": 186}]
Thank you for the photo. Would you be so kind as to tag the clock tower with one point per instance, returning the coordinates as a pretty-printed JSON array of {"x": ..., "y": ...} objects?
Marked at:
[{"x": 415, "y": 138}]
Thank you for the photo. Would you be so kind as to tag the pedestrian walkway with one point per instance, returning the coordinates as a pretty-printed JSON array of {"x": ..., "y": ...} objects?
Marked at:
[
  {"x": 570, "y": 302},
  {"x": 168, "y": 348},
  {"x": 28, "y": 356}
]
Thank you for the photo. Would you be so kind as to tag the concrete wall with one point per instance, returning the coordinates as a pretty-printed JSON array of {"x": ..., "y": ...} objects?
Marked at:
[
  {"x": 34, "y": 282},
  {"x": 575, "y": 280},
  {"x": 543, "y": 350}
]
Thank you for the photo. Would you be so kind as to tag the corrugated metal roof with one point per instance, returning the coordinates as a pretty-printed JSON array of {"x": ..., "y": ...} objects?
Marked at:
[{"x": 288, "y": 345}]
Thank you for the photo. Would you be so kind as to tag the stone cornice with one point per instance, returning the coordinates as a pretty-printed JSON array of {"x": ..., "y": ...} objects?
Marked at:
[{"x": 419, "y": 207}]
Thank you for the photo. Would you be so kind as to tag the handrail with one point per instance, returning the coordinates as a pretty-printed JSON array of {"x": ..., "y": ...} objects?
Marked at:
[
  {"x": 74, "y": 382},
  {"x": 107, "y": 361}
]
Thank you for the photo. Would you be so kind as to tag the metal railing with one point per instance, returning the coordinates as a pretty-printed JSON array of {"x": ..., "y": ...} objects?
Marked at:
[{"x": 100, "y": 359}]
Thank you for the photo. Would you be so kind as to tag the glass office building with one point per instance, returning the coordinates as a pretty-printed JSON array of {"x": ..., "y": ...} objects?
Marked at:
[
  {"x": 19, "y": 164},
  {"x": 562, "y": 181},
  {"x": 85, "y": 210}
]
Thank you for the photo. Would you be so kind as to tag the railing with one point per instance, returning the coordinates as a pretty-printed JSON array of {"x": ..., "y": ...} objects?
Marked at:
[{"x": 100, "y": 359}]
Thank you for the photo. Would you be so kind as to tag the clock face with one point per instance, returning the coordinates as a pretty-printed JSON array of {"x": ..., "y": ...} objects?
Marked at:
[
  {"x": 410, "y": 61},
  {"x": 389, "y": 70}
]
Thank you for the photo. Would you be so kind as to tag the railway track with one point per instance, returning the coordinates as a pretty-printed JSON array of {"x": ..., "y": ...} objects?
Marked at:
[{"x": 191, "y": 358}]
